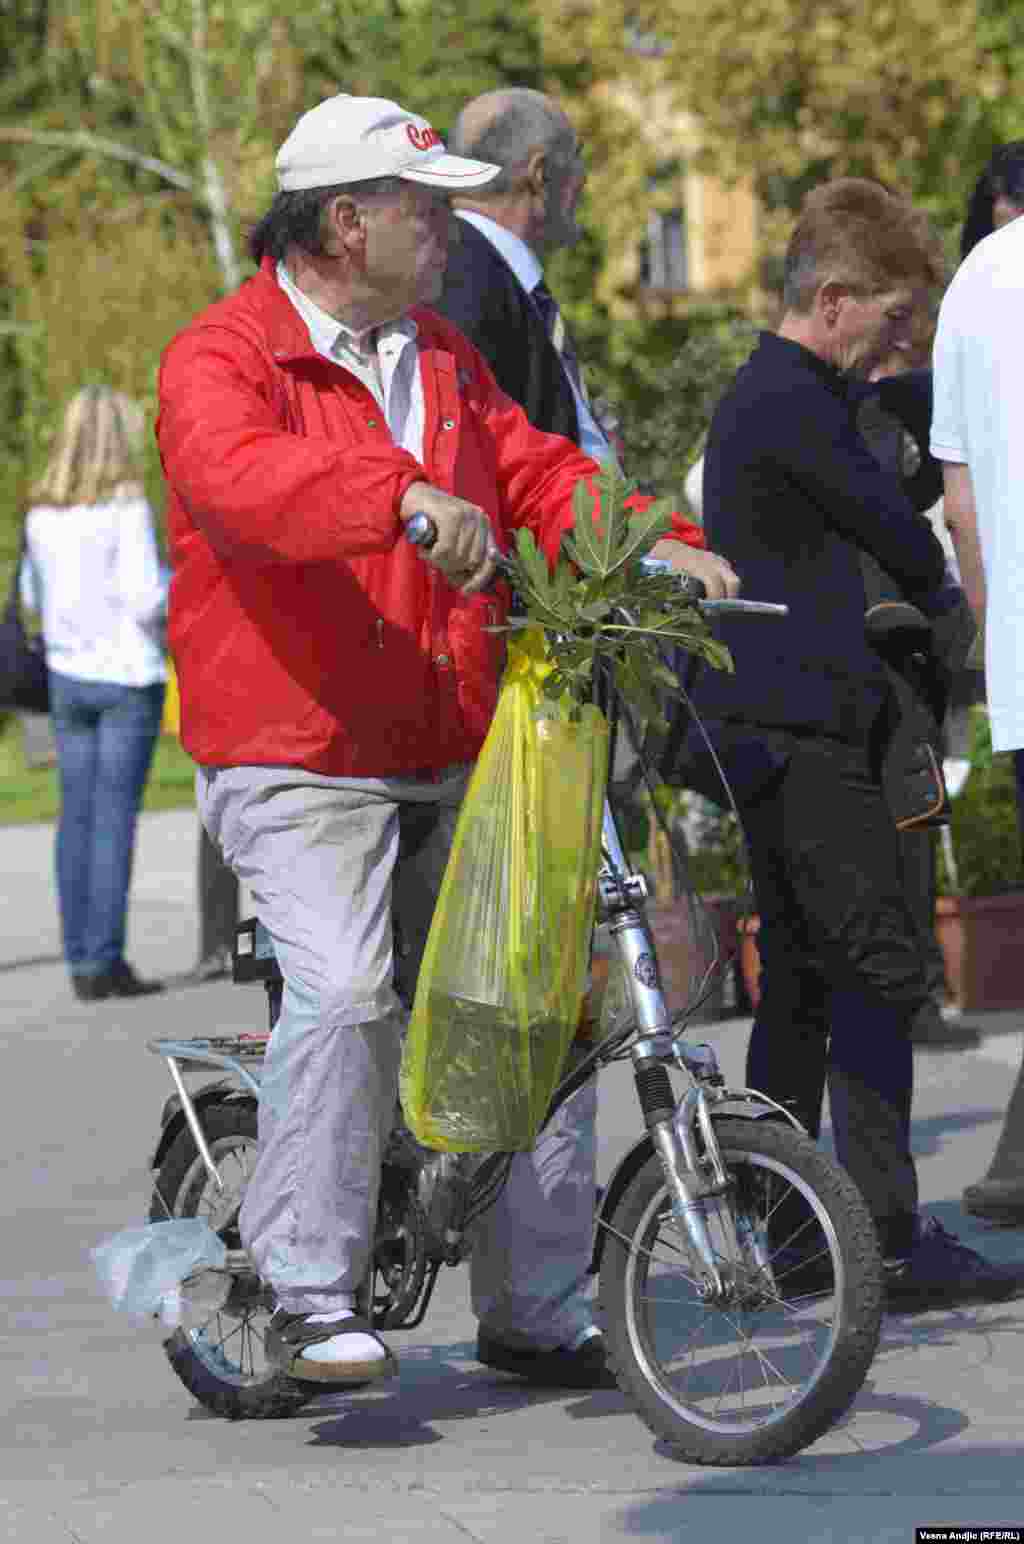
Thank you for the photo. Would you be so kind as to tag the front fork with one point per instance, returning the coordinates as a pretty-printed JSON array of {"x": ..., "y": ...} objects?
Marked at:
[{"x": 682, "y": 1132}]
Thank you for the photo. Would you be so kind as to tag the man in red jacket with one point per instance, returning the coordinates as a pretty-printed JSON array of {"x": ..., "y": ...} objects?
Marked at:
[{"x": 336, "y": 683}]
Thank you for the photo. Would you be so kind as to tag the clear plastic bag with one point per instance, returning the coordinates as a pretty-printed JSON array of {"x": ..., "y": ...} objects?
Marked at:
[
  {"x": 162, "y": 1268},
  {"x": 505, "y": 966}
]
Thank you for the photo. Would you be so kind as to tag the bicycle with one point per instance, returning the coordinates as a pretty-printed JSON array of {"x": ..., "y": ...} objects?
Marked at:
[{"x": 723, "y": 1223}]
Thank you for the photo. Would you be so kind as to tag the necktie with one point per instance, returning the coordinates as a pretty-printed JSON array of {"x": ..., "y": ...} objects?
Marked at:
[{"x": 558, "y": 332}]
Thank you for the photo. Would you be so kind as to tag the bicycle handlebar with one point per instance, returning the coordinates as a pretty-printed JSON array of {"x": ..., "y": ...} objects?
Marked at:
[{"x": 421, "y": 531}]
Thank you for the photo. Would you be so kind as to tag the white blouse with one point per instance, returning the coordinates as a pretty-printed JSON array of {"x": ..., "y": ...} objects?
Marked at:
[{"x": 94, "y": 575}]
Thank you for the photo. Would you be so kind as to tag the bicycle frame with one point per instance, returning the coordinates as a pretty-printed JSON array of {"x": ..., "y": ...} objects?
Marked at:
[{"x": 680, "y": 1131}]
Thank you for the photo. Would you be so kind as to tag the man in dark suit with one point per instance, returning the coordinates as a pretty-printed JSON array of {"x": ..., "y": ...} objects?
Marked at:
[
  {"x": 495, "y": 292},
  {"x": 494, "y": 285}
]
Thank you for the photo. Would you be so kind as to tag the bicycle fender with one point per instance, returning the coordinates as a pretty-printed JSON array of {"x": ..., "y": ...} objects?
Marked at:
[
  {"x": 622, "y": 1177},
  {"x": 759, "y": 1108},
  {"x": 172, "y": 1119}
]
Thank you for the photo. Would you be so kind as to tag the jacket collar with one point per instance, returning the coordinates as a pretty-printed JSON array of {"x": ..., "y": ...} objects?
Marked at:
[
  {"x": 784, "y": 353},
  {"x": 287, "y": 334}
]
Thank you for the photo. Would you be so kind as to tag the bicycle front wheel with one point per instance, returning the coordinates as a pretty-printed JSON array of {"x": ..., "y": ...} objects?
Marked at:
[{"x": 763, "y": 1373}]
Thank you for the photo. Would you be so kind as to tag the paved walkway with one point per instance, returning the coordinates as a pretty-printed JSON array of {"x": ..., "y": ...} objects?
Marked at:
[{"x": 100, "y": 1444}]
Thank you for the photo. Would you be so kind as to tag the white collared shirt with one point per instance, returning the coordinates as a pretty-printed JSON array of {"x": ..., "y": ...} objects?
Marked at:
[
  {"x": 386, "y": 359},
  {"x": 525, "y": 264}
]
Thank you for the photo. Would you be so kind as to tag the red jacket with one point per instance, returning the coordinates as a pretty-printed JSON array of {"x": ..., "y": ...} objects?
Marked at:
[{"x": 304, "y": 631}]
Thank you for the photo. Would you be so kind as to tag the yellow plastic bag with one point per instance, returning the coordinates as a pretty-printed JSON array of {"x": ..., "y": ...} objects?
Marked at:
[
  {"x": 171, "y": 721},
  {"x": 504, "y": 970}
]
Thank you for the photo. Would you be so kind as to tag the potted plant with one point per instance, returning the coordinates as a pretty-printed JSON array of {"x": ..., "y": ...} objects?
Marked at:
[{"x": 980, "y": 910}]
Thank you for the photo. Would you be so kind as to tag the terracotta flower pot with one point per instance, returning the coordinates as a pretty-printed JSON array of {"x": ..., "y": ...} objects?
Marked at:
[
  {"x": 750, "y": 960},
  {"x": 981, "y": 940}
]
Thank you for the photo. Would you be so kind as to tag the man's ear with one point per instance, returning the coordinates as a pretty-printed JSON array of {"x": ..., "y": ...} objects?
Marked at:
[
  {"x": 537, "y": 174},
  {"x": 344, "y": 226},
  {"x": 829, "y": 298}
]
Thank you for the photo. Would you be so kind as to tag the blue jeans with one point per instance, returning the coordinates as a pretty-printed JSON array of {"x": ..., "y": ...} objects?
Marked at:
[{"x": 105, "y": 737}]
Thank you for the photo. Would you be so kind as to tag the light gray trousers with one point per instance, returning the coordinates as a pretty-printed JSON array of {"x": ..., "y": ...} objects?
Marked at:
[{"x": 335, "y": 867}]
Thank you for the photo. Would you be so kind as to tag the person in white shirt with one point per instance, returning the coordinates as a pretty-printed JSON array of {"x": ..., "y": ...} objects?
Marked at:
[
  {"x": 976, "y": 433},
  {"x": 979, "y": 400},
  {"x": 92, "y": 571}
]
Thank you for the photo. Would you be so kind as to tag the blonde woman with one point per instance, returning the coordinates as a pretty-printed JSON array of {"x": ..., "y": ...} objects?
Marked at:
[{"x": 93, "y": 573}]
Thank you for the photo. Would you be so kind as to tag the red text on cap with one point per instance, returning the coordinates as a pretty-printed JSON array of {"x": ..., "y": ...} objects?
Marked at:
[{"x": 422, "y": 139}]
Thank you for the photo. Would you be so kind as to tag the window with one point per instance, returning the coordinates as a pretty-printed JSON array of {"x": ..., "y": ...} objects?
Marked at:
[
  {"x": 645, "y": 45},
  {"x": 663, "y": 256}
]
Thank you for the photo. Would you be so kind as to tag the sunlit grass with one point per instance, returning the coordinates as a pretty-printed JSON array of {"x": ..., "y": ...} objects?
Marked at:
[{"x": 28, "y": 793}]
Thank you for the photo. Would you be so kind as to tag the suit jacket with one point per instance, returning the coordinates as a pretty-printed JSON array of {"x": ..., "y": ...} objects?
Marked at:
[{"x": 483, "y": 297}]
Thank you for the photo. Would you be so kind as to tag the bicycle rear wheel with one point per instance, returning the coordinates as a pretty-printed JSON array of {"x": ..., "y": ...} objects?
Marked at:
[
  {"x": 760, "y": 1376},
  {"x": 220, "y": 1355}
]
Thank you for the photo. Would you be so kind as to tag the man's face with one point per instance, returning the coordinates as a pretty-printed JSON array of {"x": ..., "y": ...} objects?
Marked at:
[
  {"x": 871, "y": 329},
  {"x": 406, "y": 247},
  {"x": 566, "y": 178},
  {"x": 1003, "y": 211}
]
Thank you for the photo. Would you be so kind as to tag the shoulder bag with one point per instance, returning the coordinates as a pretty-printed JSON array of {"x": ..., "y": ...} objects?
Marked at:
[{"x": 23, "y": 678}]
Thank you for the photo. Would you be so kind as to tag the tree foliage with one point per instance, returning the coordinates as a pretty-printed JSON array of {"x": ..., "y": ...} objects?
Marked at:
[
  {"x": 137, "y": 146},
  {"x": 914, "y": 93},
  {"x": 137, "y": 141}
]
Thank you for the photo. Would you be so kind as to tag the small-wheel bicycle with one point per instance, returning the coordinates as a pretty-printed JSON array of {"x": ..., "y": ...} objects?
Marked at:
[{"x": 739, "y": 1277}]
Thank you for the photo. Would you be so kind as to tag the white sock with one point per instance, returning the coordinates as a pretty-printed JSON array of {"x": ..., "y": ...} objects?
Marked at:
[{"x": 342, "y": 1349}]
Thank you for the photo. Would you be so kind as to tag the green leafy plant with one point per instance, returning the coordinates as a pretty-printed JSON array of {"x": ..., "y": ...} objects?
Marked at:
[
  {"x": 599, "y": 604},
  {"x": 984, "y": 827}
]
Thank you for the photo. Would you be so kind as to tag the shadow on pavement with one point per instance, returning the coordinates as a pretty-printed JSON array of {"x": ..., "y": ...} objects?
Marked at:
[
  {"x": 928, "y": 1133},
  {"x": 432, "y": 1387},
  {"x": 974, "y": 1476}
]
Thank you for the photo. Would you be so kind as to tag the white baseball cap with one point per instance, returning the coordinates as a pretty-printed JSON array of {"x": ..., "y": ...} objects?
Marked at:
[{"x": 351, "y": 139}]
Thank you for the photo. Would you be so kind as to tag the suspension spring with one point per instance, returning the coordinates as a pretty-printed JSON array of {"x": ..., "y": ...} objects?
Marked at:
[{"x": 655, "y": 1093}]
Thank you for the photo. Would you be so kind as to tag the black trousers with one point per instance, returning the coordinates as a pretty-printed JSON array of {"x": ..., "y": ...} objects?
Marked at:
[
  {"x": 842, "y": 970},
  {"x": 917, "y": 849}
]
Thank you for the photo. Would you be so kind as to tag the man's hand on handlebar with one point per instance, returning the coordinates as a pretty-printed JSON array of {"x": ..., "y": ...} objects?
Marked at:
[
  {"x": 719, "y": 579},
  {"x": 463, "y": 547}
]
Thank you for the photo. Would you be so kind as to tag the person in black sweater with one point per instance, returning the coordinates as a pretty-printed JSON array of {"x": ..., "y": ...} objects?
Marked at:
[{"x": 794, "y": 498}]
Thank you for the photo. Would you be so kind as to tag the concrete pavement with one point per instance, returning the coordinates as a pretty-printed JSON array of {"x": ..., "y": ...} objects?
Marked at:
[{"x": 100, "y": 1444}]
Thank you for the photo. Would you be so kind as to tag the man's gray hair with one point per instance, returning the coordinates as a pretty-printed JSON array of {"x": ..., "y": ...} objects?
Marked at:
[{"x": 522, "y": 121}]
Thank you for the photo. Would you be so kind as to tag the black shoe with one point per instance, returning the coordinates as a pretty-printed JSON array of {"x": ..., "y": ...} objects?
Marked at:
[
  {"x": 212, "y": 967},
  {"x": 584, "y": 1368},
  {"x": 997, "y": 1200},
  {"x": 91, "y": 989},
  {"x": 123, "y": 982},
  {"x": 940, "y": 1272},
  {"x": 930, "y": 1031}
]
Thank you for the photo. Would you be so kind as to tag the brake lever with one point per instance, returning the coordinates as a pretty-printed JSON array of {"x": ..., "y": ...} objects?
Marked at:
[{"x": 693, "y": 591}]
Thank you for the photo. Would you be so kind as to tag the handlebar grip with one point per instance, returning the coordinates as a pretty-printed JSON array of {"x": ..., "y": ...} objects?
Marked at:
[
  {"x": 421, "y": 531},
  {"x": 692, "y": 589}
]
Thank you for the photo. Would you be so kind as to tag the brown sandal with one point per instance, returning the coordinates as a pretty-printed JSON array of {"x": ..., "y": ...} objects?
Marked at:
[{"x": 288, "y": 1335}]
